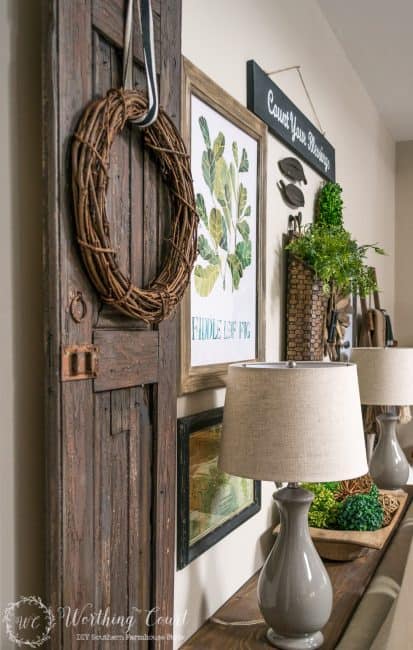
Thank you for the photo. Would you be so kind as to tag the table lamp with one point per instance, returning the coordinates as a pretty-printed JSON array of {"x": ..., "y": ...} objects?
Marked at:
[
  {"x": 386, "y": 379},
  {"x": 293, "y": 422}
]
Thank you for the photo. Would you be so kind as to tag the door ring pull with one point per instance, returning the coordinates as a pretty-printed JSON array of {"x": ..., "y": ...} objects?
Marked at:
[{"x": 76, "y": 314}]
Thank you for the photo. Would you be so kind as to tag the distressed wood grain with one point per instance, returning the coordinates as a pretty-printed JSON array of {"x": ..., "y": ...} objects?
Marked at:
[
  {"x": 126, "y": 358},
  {"x": 110, "y": 442}
]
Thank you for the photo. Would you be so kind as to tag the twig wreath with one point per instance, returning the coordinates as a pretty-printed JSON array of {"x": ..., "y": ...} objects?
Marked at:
[{"x": 101, "y": 122}]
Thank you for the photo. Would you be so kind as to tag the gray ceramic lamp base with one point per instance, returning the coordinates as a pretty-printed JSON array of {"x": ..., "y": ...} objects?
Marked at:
[
  {"x": 294, "y": 591},
  {"x": 389, "y": 467},
  {"x": 311, "y": 641}
]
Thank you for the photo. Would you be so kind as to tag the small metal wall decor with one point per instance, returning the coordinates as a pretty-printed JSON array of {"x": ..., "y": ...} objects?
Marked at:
[
  {"x": 295, "y": 223},
  {"x": 291, "y": 194},
  {"x": 293, "y": 169},
  {"x": 211, "y": 503}
]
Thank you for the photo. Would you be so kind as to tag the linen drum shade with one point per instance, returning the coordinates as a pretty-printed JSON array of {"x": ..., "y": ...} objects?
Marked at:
[
  {"x": 299, "y": 423},
  {"x": 385, "y": 375}
]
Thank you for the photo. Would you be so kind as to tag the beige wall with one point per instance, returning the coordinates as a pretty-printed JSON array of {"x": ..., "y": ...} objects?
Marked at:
[
  {"x": 404, "y": 242},
  {"x": 21, "y": 377},
  {"x": 404, "y": 257},
  {"x": 219, "y": 37}
]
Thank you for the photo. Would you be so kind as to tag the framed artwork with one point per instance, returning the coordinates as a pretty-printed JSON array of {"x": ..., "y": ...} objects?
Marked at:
[
  {"x": 211, "y": 503},
  {"x": 223, "y": 312}
]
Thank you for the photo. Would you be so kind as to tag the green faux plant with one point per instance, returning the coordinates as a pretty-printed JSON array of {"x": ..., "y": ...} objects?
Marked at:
[
  {"x": 360, "y": 512},
  {"x": 330, "y": 251},
  {"x": 330, "y": 485},
  {"x": 329, "y": 210},
  {"x": 324, "y": 509},
  {"x": 374, "y": 492}
]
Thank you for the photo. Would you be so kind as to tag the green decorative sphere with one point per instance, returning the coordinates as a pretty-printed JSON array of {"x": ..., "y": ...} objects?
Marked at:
[
  {"x": 324, "y": 508},
  {"x": 360, "y": 512},
  {"x": 330, "y": 205},
  {"x": 374, "y": 492},
  {"x": 332, "y": 485}
]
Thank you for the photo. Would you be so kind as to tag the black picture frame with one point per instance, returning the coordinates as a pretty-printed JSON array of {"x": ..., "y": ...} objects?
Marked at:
[{"x": 187, "y": 552}]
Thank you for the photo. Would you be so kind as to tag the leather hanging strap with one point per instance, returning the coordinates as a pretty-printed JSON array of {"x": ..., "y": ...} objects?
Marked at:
[{"x": 146, "y": 24}]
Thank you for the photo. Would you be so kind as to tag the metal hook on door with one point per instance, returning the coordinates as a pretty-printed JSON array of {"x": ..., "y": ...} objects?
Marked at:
[{"x": 146, "y": 24}]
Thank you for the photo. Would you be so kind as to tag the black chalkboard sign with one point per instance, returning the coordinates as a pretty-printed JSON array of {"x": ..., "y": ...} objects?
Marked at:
[{"x": 288, "y": 123}]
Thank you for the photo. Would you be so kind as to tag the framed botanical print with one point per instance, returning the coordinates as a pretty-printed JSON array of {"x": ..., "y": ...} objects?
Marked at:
[
  {"x": 211, "y": 503},
  {"x": 223, "y": 312}
]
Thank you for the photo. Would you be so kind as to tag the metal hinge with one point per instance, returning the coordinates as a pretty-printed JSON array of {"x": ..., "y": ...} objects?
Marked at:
[{"x": 79, "y": 362}]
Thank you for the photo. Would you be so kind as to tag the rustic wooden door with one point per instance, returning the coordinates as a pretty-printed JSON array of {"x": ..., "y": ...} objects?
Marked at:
[{"x": 111, "y": 439}]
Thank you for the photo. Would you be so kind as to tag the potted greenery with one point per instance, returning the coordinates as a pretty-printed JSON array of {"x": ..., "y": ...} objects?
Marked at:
[
  {"x": 330, "y": 250},
  {"x": 336, "y": 263}
]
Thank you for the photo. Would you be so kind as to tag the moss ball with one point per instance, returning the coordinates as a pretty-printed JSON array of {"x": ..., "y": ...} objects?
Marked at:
[
  {"x": 332, "y": 486},
  {"x": 324, "y": 508},
  {"x": 374, "y": 492},
  {"x": 360, "y": 512}
]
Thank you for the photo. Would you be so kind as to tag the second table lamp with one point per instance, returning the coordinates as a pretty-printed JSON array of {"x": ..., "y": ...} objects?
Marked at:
[
  {"x": 386, "y": 379},
  {"x": 293, "y": 422}
]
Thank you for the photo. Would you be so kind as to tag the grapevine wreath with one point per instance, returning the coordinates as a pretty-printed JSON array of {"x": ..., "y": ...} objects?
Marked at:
[{"x": 102, "y": 121}]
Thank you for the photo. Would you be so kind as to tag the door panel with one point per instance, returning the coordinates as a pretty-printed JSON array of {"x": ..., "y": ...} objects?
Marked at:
[
  {"x": 110, "y": 440},
  {"x": 126, "y": 358}
]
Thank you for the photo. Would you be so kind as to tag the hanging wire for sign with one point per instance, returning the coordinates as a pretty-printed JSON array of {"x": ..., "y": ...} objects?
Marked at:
[
  {"x": 298, "y": 68},
  {"x": 148, "y": 41}
]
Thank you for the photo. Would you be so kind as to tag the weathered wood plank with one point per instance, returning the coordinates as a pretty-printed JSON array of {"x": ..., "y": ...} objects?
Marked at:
[
  {"x": 75, "y": 90},
  {"x": 140, "y": 487},
  {"x": 118, "y": 193},
  {"x": 103, "y": 509},
  {"x": 123, "y": 425},
  {"x": 126, "y": 358},
  {"x": 165, "y": 391},
  {"x": 165, "y": 482},
  {"x": 150, "y": 218},
  {"x": 52, "y": 333}
]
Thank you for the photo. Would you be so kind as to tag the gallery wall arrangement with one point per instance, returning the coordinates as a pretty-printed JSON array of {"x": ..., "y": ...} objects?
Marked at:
[{"x": 223, "y": 312}]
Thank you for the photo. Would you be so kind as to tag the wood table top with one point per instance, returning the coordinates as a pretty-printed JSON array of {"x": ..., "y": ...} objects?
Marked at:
[{"x": 349, "y": 580}]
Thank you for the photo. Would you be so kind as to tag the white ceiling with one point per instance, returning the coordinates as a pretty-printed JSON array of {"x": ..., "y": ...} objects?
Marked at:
[{"x": 377, "y": 36}]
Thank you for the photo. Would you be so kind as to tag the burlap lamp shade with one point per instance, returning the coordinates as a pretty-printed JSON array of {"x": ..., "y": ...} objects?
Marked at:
[
  {"x": 299, "y": 423},
  {"x": 385, "y": 375}
]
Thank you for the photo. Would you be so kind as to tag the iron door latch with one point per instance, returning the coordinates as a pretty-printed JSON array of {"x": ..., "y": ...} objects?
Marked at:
[{"x": 80, "y": 362}]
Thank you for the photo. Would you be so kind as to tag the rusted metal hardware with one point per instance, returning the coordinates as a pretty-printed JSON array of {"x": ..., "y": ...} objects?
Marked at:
[
  {"x": 78, "y": 307},
  {"x": 79, "y": 362}
]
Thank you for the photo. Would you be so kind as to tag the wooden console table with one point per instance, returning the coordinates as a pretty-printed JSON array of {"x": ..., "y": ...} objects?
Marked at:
[{"x": 349, "y": 579}]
